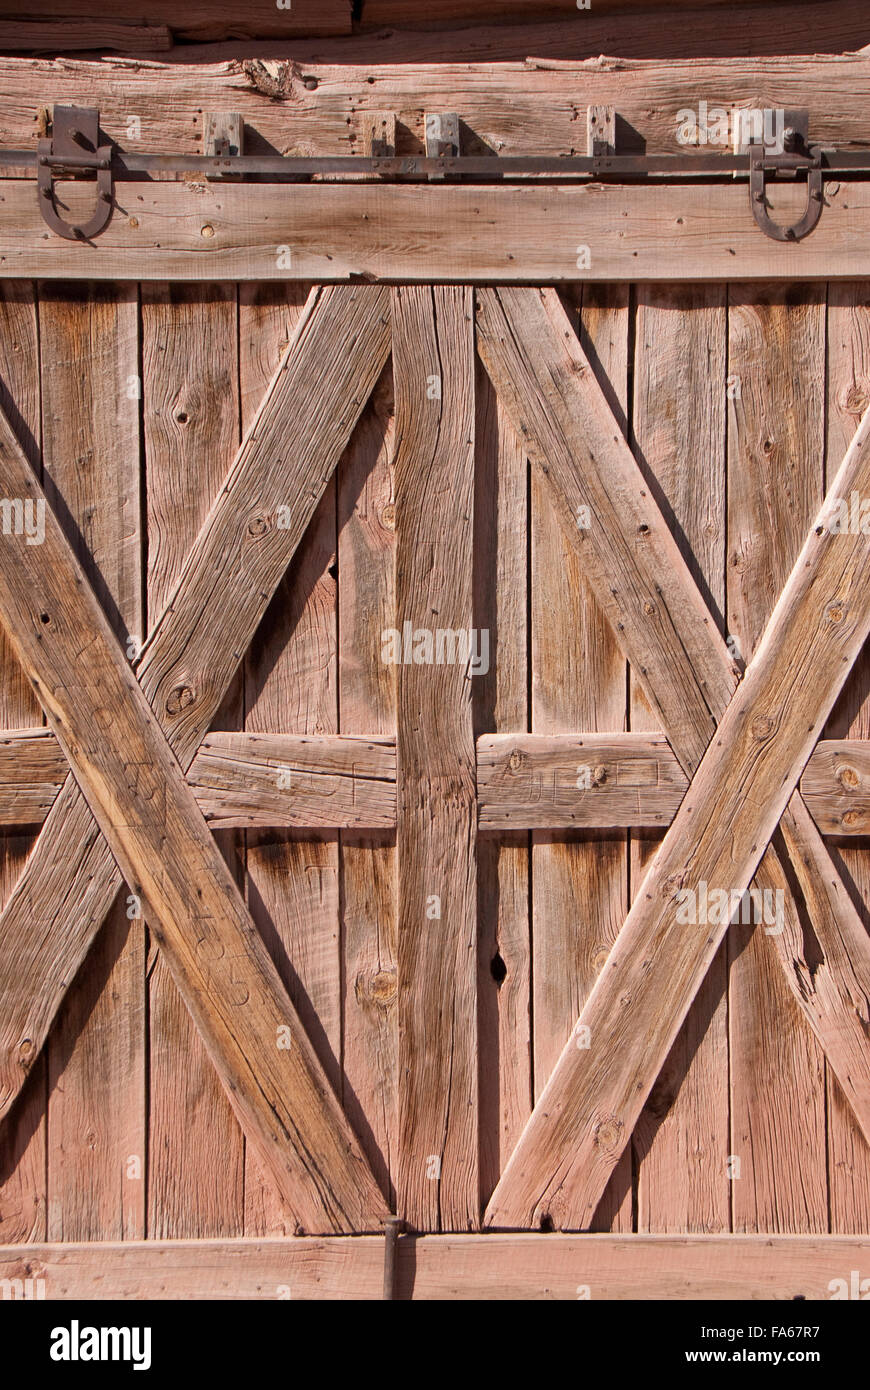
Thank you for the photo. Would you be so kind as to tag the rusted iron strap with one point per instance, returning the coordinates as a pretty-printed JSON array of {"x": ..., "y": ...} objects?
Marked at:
[{"x": 393, "y": 1228}]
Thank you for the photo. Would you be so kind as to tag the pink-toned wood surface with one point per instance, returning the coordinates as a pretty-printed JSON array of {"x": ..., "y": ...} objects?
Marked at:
[{"x": 190, "y": 412}]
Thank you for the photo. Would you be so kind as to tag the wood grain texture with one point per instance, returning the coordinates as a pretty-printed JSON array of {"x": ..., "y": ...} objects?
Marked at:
[
  {"x": 89, "y": 354},
  {"x": 506, "y": 107},
  {"x": 433, "y": 362},
  {"x": 489, "y": 1267},
  {"x": 836, "y": 26},
  {"x": 628, "y": 553},
  {"x": 500, "y": 701},
  {"x": 290, "y": 685},
  {"x": 605, "y": 332},
  {"x": 399, "y": 12},
  {"x": 58, "y": 36},
  {"x": 825, "y": 963},
  {"x": 579, "y": 886},
  {"x": 836, "y": 787},
  {"x": 642, "y": 581},
  {"x": 367, "y": 701},
  {"x": 553, "y": 781},
  {"x": 496, "y": 340},
  {"x": 344, "y": 780},
  {"x": 292, "y": 779},
  {"x": 191, "y": 433},
  {"x": 23, "y": 1154},
  {"x": 369, "y": 232},
  {"x": 251, "y": 542},
  {"x": 678, "y": 436},
  {"x": 847, "y": 397},
  {"x": 187, "y": 666},
  {"x": 138, "y": 794},
  {"x": 234, "y": 779},
  {"x": 775, "y": 487},
  {"x": 32, "y": 772},
  {"x": 220, "y": 19}
]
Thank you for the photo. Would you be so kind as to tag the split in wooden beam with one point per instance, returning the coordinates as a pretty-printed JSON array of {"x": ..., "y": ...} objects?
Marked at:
[
  {"x": 641, "y": 581},
  {"x": 137, "y": 793},
  {"x": 445, "y": 1267},
  {"x": 236, "y": 563}
]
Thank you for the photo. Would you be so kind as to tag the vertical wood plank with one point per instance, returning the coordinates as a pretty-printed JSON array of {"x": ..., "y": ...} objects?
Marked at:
[
  {"x": 89, "y": 348},
  {"x": 367, "y": 705},
  {"x": 433, "y": 362},
  {"x": 848, "y": 396},
  {"x": 579, "y": 883},
  {"x": 291, "y": 687},
  {"x": 23, "y": 1132},
  {"x": 191, "y": 423},
  {"x": 500, "y": 704},
  {"x": 776, "y": 339},
  {"x": 681, "y": 1139}
]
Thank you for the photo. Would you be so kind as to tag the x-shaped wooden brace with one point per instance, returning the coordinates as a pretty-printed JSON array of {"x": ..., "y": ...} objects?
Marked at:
[
  {"x": 129, "y": 743},
  {"x": 744, "y": 753}
]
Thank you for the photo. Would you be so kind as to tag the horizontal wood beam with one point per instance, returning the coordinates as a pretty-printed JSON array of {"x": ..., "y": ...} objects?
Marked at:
[
  {"x": 525, "y": 107},
  {"x": 77, "y": 36},
  {"x": 524, "y": 781},
  {"x": 836, "y": 786},
  {"x": 334, "y": 781},
  {"x": 563, "y": 781},
  {"x": 530, "y": 234},
  {"x": 32, "y": 772},
  {"x": 491, "y": 1267},
  {"x": 221, "y": 19},
  {"x": 754, "y": 30}
]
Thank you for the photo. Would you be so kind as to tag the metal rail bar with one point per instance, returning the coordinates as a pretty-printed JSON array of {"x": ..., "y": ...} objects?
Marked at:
[{"x": 126, "y": 166}]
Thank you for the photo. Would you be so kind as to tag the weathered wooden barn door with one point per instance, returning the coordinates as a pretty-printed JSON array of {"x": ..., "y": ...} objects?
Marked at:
[{"x": 377, "y": 642}]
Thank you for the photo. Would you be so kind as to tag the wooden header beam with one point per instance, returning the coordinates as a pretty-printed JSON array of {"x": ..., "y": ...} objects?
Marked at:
[
  {"x": 524, "y": 107},
  {"x": 491, "y": 1267},
  {"x": 531, "y": 234}
]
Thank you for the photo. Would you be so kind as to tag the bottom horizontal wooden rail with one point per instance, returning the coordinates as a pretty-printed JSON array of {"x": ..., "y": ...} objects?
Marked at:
[{"x": 490, "y": 1267}]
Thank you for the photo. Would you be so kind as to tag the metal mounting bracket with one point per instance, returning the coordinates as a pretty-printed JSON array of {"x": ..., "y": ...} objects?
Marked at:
[
  {"x": 392, "y": 1230},
  {"x": 74, "y": 147}
]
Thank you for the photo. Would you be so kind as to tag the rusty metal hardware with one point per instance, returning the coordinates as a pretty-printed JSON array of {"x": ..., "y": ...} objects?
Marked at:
[
  {"x": 758, "y": 200},
  {"x": 74, "y": 148},
  {"x": 393, "y": 1228},
  {"x": 763, "y": 151}
]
